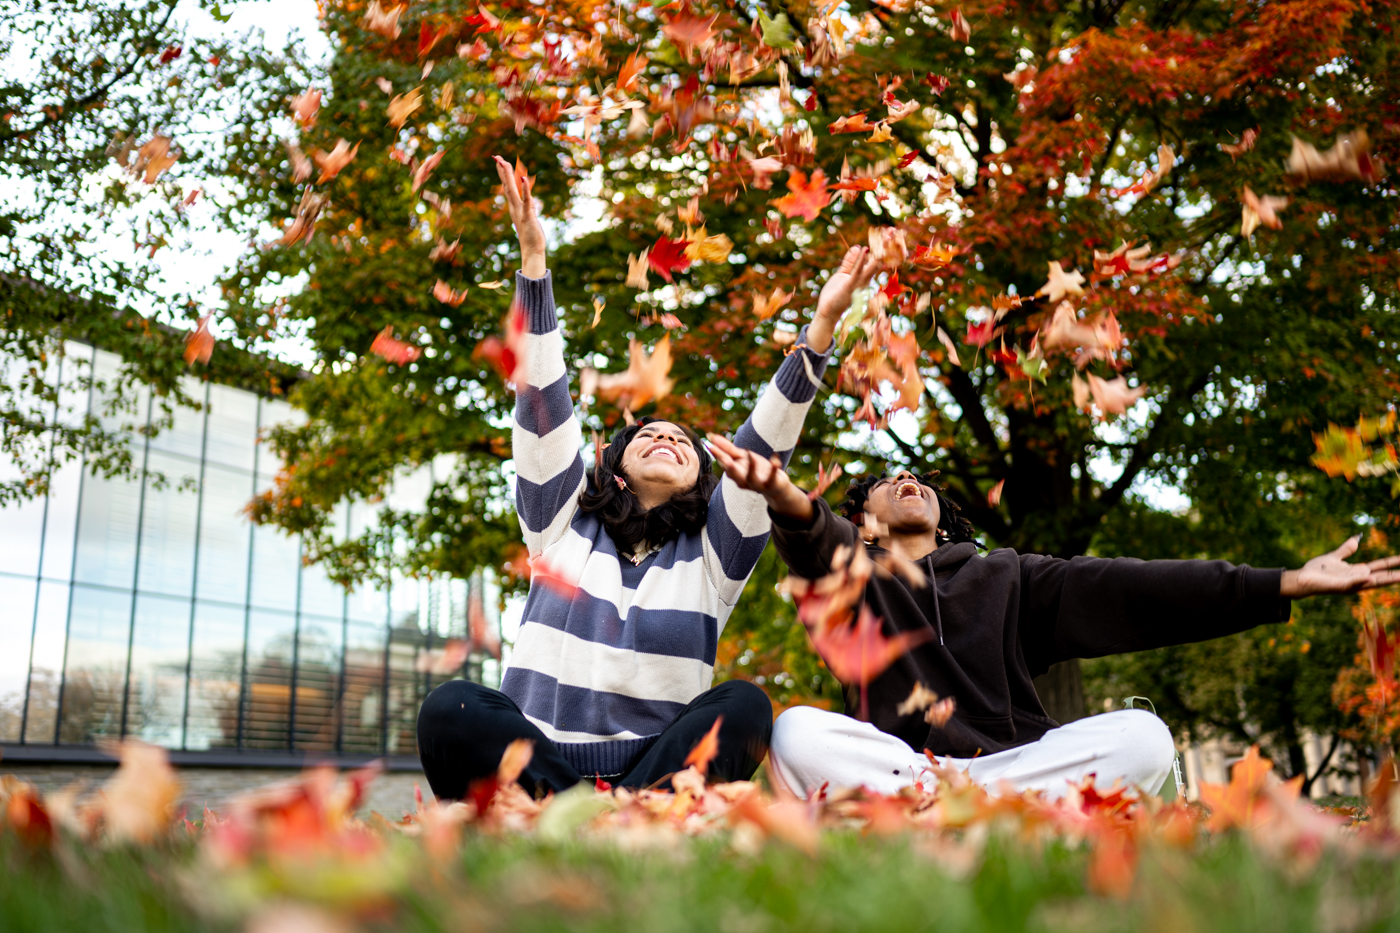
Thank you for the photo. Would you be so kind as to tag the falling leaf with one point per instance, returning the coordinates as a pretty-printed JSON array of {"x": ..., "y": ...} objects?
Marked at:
[
  {"x": 667, "y": 256},
  {"x": 1259, "y": 211},
  {"x": 935, "y": 255},
  {"x": 896, "y": 566},
  {"x": 1246, "y": 143},
  {"x": 958, "y": 28},
  {"x": 1348, "y": 160},
  {"x": 919, "y": 698},
  {"x": 1081, "y": 393},
  {"x": 384, "y": 84},
  {"x": 762, "y": 171},
  {"x": 153, "y": 158},
  {"x": 1166, "y": 158},
  {"x": 776, "y": 32},
  {"x": 637, "y": 271},
  {"x": 482, "y": 637},
  {"x": 630, "y": 70},
  {"x": 493, "y": 284},
  {"x": 711, "y": 249},
  {"x": 543, "y": 573},
  {"x": 444, "y": 661},
  {"x": 424, "y": 170},
  {"x": 138, "y": 803},
  {"x": 858, "y": 653},
  {"x": 856, "y": 184},
  {"x": 444, "y": 251},
  {"x": 1061, "y": 283},
  {"x": 444, "y": 293},
  {"x": 303, "y": 226},
  {"x": 483, "y": 20},
  {"x": 764, "y": 308},
  {"x": 979, "y": 335},
  {"x": 645, "y": 379},
  {"x": 332, "y": 162},
  {"x": 386, "y": 23},
  {"x": 687, "y": 31},
  {"x": 1065, "y": 330},
  {"x": 994, "y": 494},
  {"x": 706, "y": 749},
  {"x": 937, "y": 83},
  {"x": 855, "y": 123},
  {"x": 804, "y": 199},
  {"x": 387, "y": 347},
  {"x": 948, "y": 345},
  {"x": 305, "y": 107},
  {"x": 301, "y": 165},
  {"x": 402, "y": 106},
  {"x": 1113, "y": 397},
  {"x": 598, "y": 304},
  {"x": 199, "y": 345},
  {"x": 940, "y": 712},
  {"x": 824, "y": 480},
  {"x": 514, "y": 761},
  {"x": 429, "y": 37}
]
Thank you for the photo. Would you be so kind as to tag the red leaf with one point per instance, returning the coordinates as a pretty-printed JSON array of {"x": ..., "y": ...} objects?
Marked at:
[
  {"x": 937, "y": 83},
  {"x": 506, "y": 355},
  {"x": 860, "y": 652},
  {"x": 668, "y": 256},
  {"x": 805, "y": 198},
  {"x": 994, "y": 494},
  {"x": 482, "y": 20},
  {"x": 387, "y": 347},
  {"x": 979, "y": 335},
  {"x": 824, "y": 479},
  {"x": 170, "y": 54},
  {"x": 908, "y": 159}
]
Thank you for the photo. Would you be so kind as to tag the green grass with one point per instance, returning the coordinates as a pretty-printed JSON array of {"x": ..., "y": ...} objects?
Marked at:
[{"x": 903, "y": 883}]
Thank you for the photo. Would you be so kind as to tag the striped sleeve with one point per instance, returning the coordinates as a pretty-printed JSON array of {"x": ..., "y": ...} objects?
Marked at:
[
  {"x": 737, "y": 528},
  {"x": 546, "y": 436}
]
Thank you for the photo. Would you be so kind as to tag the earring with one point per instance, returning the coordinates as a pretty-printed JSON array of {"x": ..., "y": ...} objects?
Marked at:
[{"x": 870, "y": 540}]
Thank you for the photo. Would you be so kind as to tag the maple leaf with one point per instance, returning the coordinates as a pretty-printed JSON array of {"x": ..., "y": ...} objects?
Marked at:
[
  {"x": 764, "y": 308},
  {"x": 1246, "y": 143},
  {"x": 1081, "y": 393},
  {"x": 935, "y": 255},
  {"x": 1237, "y": 803},
  {"x": 515, "y": 760},
  {"x": 855, "y": 123},
  {"x": 994, "y": 494},
  {"x": 804, "y": 198},
  {"x": 598, "y": 305},
  {"x": 919, "y": 698},
  {"x": 1125, "y": 260},
  {"x": 1113, "y": 397},
  {"x": 303, "y": 226},
  {"x": 170, "y": 54},
  {"x": 424, "y": 170},
  {"x": 958, "y": 28},
  {"x": 824, "y": 480},
  {"x": 1166, "y": 158},
  {"x": 762, "y": 171},
  {"x": 403, "y": 105},
  {"x": 951, "y": 347},
  {"x": 630, "y": 70},
  {"x": 444, "y": 293},
  {"x": 882, "y": 133},
  {"x": 898, "y": 111},
  {"x": 301, "y": 165},
  {"x": 702, "y": 248},
  {"x": 1065, "y": 330},
  {"x": 776, "y": 32},
  {"x": 706, "y": 749},
  {"x": 637, "y": 271},
  {"x": 444, "y": 661},
  {"x": 545, "y": 574},
  {"x": 444, "y": 251},
  {"x": 937, "y": 83},
  {"x": 332, "y": 162},
  {"x": 429, "y": 37},
  {"x": 153, "y": 158},
  {"x": 892, "y": 565},
  {"x": 138, "y": 803},
  {"x": 687, "y": 31},
  {"x": 667, "y": 256},
  {"x": 979, "y": 335},
  {"x": 1259, "y": 211},
  {"x": 384, "y": 22},
  {"x": 477, "y": 626},
  {"x": 199, "y": 345},
  {"x": 856, "y": 184},
  {"x": 483, "y": 20},
  {"x": 1349, "y": 159},
  {"x": 1061, "y": 283},
  {"x": 858, "y": 653},
  {"x": 305, "y": 107},
  {"x": 646, "y": 377},
  {"x": 387, "y": 347},
  {"x": 507, "y": 353}
]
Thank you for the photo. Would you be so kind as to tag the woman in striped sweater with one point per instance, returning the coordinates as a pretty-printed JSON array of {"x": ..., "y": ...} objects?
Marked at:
[{"x": 614, "y": 682}]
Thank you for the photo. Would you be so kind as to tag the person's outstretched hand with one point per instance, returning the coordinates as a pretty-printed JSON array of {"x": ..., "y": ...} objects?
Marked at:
[
  {"x": 853, "y": 274},
  {"x": 764, "y": 475},
  {"x": 1330, "y": 573},
  {"x": 527, "y": 222}
]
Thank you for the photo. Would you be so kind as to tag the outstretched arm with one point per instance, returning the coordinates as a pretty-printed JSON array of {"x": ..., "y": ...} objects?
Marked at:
[
  {"x": 738, "y": 524},
  {"x": 1330, "y": 573},
  {"x": 546, "y": 436}
]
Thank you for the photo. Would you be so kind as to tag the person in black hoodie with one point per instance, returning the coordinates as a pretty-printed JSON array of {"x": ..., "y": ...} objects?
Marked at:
[{"x": 989, "y": 624}]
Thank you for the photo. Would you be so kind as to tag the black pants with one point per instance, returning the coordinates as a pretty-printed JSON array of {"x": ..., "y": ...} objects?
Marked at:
[{"x": 464, "y": 728}]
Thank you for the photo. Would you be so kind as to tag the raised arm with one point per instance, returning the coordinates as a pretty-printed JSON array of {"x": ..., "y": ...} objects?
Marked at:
[
  {"x": 738, "y": 524},
  {"x": 546, "y": 436}
]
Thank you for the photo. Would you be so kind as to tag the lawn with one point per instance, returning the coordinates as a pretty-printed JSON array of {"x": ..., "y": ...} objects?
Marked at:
[{"x": 723, "y": 858}]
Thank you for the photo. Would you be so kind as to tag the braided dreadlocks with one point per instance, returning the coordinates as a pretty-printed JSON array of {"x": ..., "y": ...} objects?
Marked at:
[{"x": 952, "y": 527}]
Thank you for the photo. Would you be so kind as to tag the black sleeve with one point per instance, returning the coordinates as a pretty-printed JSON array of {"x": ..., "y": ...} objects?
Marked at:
[
  {"x": 1088, "y": 607},
  {"x": 806, "y": 547}
]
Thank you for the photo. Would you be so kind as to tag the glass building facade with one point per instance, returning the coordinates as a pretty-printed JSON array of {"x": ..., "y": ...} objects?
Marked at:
[{"x": 152, "y": 607}]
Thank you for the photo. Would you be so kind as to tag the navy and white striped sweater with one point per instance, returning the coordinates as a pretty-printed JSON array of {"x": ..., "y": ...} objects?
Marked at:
[{"x": 604, "y": 673}]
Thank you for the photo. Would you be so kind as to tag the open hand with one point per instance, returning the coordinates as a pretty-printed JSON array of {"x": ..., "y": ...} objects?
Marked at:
[
  {"x": 763, "y": 475},
  {"x": 1330, "y": 573},
  {"x": 523, "y": 216},
  {"x": 853, "y": 274}
]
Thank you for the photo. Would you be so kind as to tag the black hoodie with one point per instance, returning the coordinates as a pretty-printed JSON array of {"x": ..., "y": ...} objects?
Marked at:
[{"x": 998, "y": 620}]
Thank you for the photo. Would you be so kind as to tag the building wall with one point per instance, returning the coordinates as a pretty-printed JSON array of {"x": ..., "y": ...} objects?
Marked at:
[{"x": 152, "y": 607}]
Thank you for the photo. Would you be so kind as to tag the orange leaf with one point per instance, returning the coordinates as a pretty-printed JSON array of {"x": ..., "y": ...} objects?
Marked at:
[
  {"x": 824, "y": 479},
  {"x": 199, "y": 345},
  {"x": 805, "y": 198},
  {"x": 860, "y": 652},
  {"x": 395, "y": 351},
  {"x": 305, "y": 106},
  {"x": 332, "y": 162},
  {"x": 994, "y": 494},
  {"x": 627, "y": 74},
  {"x": 855, "y": 123},
  {"x": 706, "y": 749},
  {"x": 515, "y": 759}
]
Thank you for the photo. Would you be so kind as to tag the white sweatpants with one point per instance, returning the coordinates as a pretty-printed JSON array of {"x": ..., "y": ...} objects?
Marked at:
[{"x": 812, "y": 747}]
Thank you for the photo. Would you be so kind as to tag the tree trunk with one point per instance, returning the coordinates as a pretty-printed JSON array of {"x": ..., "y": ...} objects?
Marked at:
[{"x": 1061, "y": 690}]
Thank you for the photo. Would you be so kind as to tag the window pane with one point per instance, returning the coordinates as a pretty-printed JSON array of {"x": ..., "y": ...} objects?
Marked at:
[
  {"x": 275, "y": 412},
  {"x": 367, "y": 604},
  {"x": 267, "y": 702},
  {"x": 118, "y": 407},
  {"x": 21, "y": 527},
  {"x": 363, "y": 700},
  {"x": 95, "y": 676},
  {"x": 17, "y": 596},
  {"x": 155, "y": 705},
  {"x": 318, "y": 683},
  {"x": 107, "y": 532},
  {"x": 168, "y": 523},
  {"x": 407, "y": 687},
  {"x": 319, "y": 594},
  {"x": 62, "y": 521},
  {"x": 276, "y": 561},
  {"x": 233, "y": 427},
  {"x": 45, "y": 672},
  {"x": 215, "y": 673},
  {"x": 224, "y": 535},
  {"x": 186, "y": 435}
]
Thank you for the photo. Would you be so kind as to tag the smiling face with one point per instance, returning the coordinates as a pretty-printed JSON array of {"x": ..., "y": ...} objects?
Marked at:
[
  {"x": 660, "y": 461},
  {"x": 903, "y": 504}
]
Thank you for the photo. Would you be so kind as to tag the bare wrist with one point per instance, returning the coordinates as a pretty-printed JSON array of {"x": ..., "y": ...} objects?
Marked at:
[
  {"x": 1288, "y": 584},
  {"x": 533, "y": 265},
  {"x": 790, "y": 502}
]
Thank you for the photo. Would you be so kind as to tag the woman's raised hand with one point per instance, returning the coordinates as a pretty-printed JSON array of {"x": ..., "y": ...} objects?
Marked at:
[
  {"x": 853, "y": 274},
  {"x": 526, "y": 221},
  {"x": 763, "y": 475}
]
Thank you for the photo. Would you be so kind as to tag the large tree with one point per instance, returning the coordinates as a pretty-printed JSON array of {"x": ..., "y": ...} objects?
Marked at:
[{"x": 1043, "y": 133}]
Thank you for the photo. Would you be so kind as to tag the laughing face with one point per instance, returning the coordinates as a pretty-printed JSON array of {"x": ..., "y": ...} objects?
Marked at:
[
  {"x": 903, "y": 504},
  {"x": 660, "y": 461}
]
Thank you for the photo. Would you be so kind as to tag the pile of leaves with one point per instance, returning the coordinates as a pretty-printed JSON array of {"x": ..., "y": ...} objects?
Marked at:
[{"x": 297, "y": 855}]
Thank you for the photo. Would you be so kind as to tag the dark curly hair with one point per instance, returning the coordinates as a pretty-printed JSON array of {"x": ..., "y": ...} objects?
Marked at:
[
  {"x": 627, "y": 523},
  {"x": 952, "y": 527}
]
